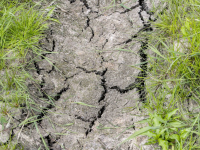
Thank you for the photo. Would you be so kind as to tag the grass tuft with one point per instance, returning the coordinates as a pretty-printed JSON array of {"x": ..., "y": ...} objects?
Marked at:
[
  {"x": 172, "y": 84},
  {"x": 22, "y": 24}
]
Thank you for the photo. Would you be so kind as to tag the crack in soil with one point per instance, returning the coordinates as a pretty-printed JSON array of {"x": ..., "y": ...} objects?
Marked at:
[
  {"x": 103, "y": 84},
  {"x": 66, "y": 78},
  {"x": 88, "y": 25},
  {"x": 83, "y": 119},
  {"x": 92, "y": 123},
  {"x": 52, "y": 69},
  {"x": 38, "y": 70},
  {"x": 102, "y": 97},
  {"x": 127, "y": 89},
  {"x": 103, "y": 80},
  {"x": 141, "y": 17},
  {"x": 104, "y": 44},
  {"x": 50, "y": 106},
  {"x": 44, "y": 95},
  {"x": 144, "y": 6},
  {"x": 139, "y": 82},
  {"x": 102, "y": 59},
  {"x": 52, "y": 49},
  {"x": 10, "y": 137},
  {"x": 100, "y": 73},
  {"x": 85, "y": 4},
  {"x": 54, "y": 45},
  {"x": 146, "y": 26},
  {"x": 50, "y": 142},
  {"x": 141, "y": 87},
  {"x": 102, "y": 109},
  {"x": 72, "y": 1},
  {"x": 58, "y": 95}
]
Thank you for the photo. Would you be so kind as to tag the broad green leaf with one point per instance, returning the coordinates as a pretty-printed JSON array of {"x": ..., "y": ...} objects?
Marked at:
[
  {"x": 160, "y": 119},
  {"x": 150, "y": 134},
  {"x": 171, "y": 113},
  {"x": 174, "y": 129},
  {"x": 187, "y": 25},
  {"x": 166, "y": 135},
  {"x": 174, "y": 137},
  {"x": 185, "y": 133},
  {"x": 176, "y": 124},
  {"x": 81, "y": 103},
  {"x": 151, "y": 141},
  {"x": 157, "y": 120},
  {"x": 183, "y": 30},
  {"x": 163, "y": 144},
  {"x": 140, "y": 132},
  {"x": 161, "y": 132}
]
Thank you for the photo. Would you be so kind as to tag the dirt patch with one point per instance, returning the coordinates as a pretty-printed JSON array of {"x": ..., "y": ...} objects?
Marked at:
[{"x": 94, "y": 49}]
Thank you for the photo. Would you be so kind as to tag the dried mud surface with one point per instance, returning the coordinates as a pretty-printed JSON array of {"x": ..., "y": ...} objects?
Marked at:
[{"x": 89, "y": 67}]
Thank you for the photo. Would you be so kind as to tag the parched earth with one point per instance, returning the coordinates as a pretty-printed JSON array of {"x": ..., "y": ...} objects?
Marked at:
[{"x": 97, "y": 93}]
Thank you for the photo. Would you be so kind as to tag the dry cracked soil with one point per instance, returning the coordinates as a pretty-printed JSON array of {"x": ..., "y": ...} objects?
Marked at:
[{"x": 93, "y": 50}]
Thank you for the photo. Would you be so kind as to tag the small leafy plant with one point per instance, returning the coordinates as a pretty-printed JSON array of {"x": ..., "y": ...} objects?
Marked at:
[{"x": 168, "y": 131}]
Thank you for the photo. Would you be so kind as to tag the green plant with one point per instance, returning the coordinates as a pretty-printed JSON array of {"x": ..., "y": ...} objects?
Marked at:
[
  {"x": 12, "y": 146},
  {"x": 22, "y": 25},
  {"x": 169, "y": 131},
  {"x": 172, "y": 80}
]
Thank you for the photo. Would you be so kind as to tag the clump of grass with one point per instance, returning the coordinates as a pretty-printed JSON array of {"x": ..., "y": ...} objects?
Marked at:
[
  {"x": 173, "y": 77},
  {"x": 22, "y": 25}
]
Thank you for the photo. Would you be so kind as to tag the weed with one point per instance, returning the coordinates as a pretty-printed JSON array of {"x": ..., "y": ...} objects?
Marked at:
[
  {"x": 173, "y": 77},
  {"x": 22, "y": 25}
]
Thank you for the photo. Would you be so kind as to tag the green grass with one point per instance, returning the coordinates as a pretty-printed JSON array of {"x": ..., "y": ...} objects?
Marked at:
[
  {"x": 173, "y": 77},
  {"x": 22, "y": 25}
]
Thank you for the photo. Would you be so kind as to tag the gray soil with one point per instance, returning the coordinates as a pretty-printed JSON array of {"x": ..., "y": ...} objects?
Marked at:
[{"x": 89, "y": 66}]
